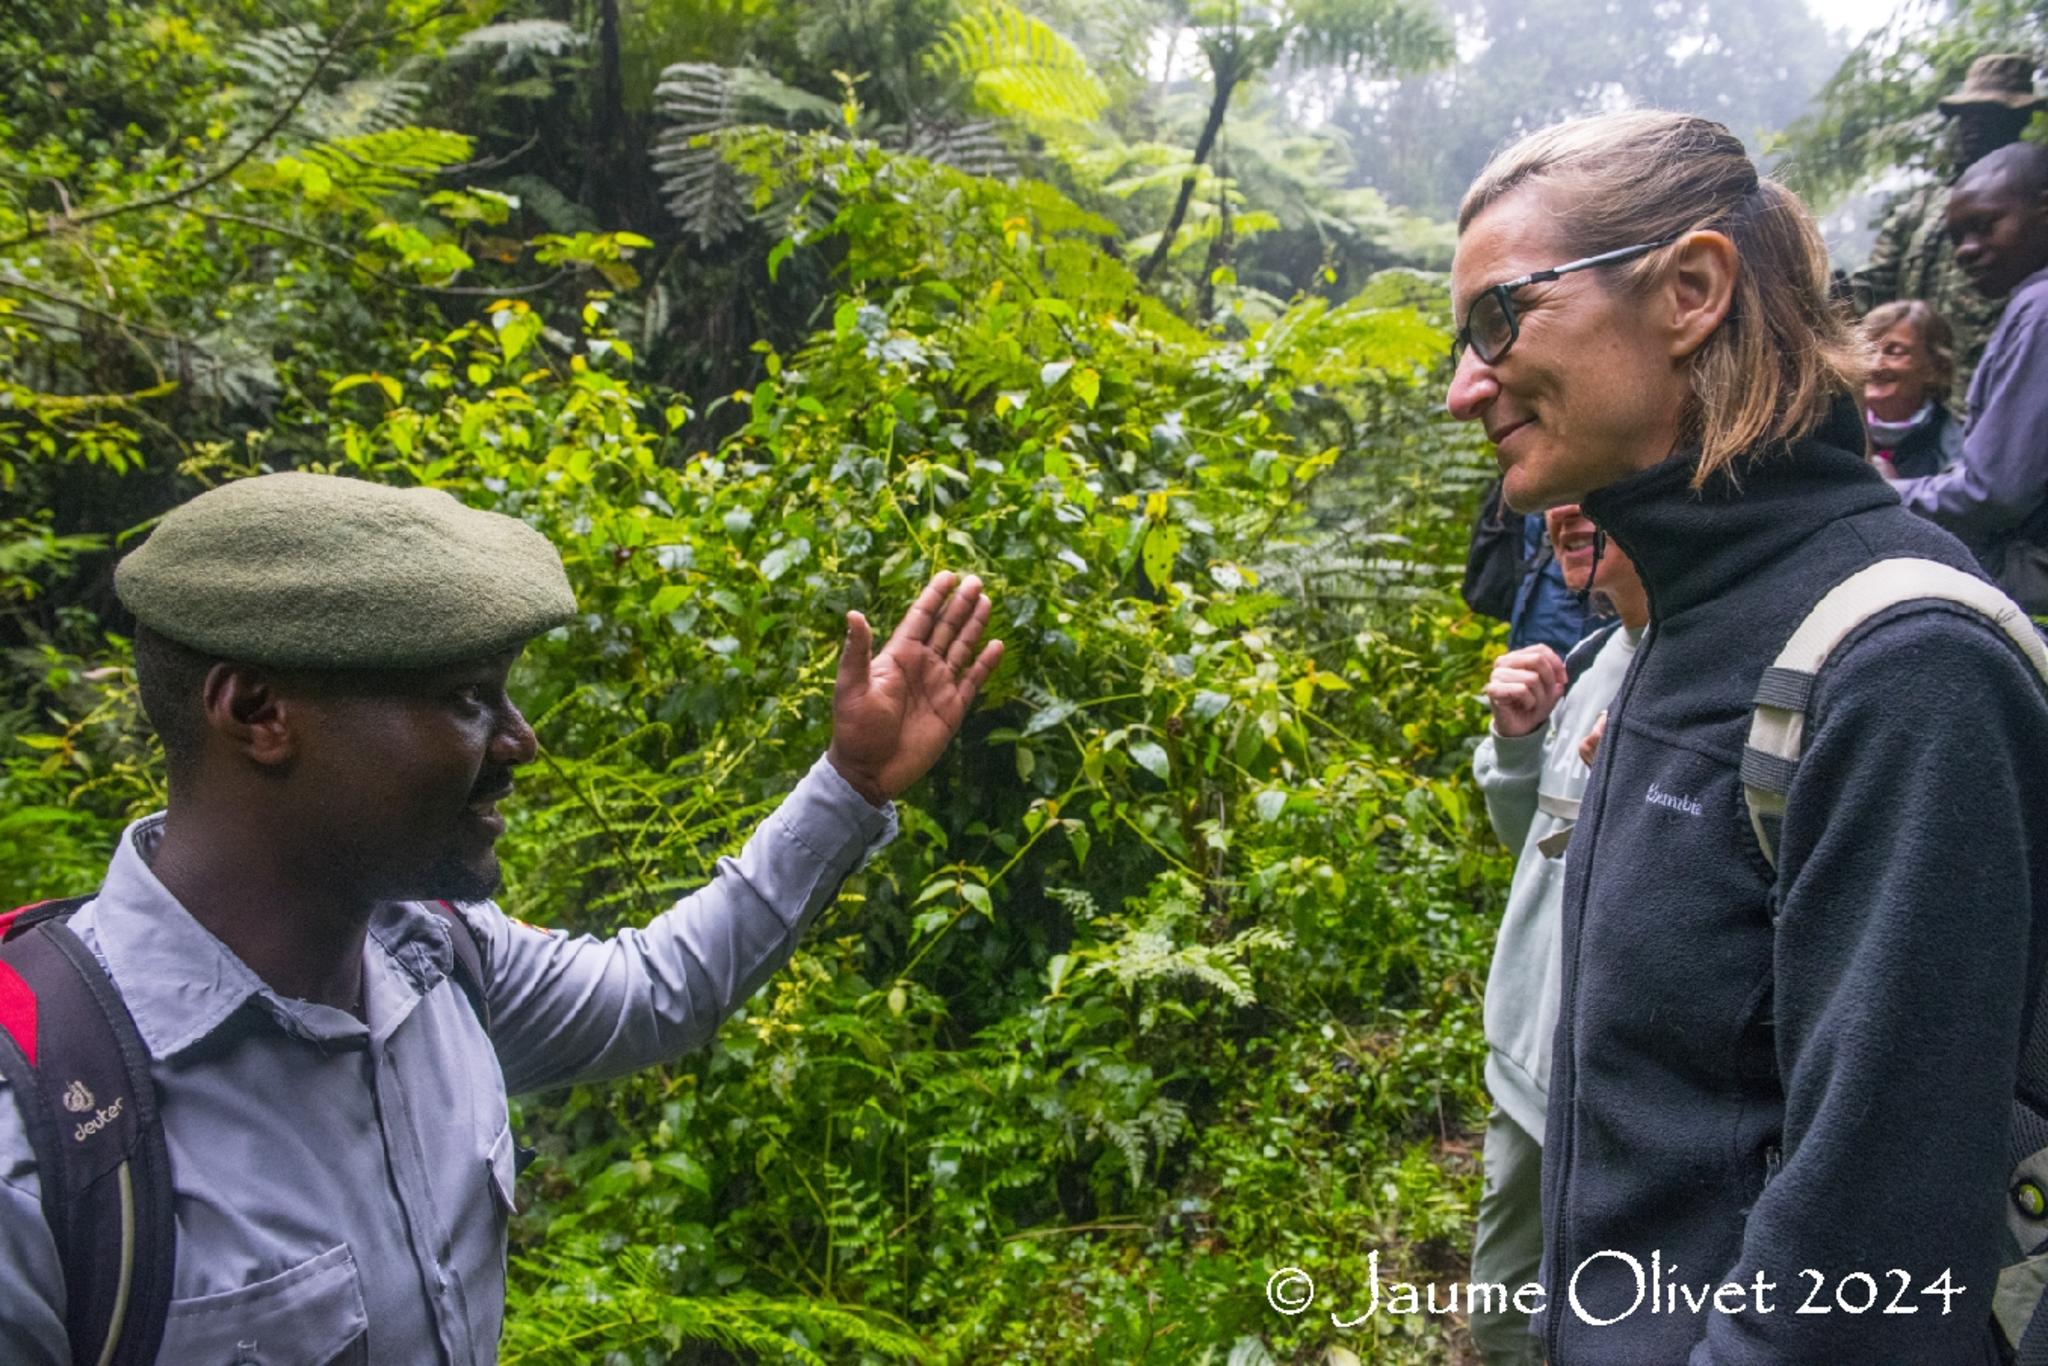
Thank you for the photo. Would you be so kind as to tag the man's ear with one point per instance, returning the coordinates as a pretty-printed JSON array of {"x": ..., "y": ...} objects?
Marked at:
[
  {"x": 1700, "y": 289},
  {"x": 244, "y": 707}
]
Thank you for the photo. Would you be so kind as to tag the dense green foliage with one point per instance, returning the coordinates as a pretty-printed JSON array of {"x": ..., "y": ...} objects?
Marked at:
[
  {"x": 1878, "y": 113},
  {"x": 1172, "y": 978}
]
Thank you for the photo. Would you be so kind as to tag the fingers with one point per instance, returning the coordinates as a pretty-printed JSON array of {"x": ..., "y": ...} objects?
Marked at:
[
  {"x": 856, "y": 654},
  {"x": 1537, "y": 659},
  {"x": 957, "y": 612},
  {"x": 961, "y": 651},
  {"x": 1590, "y": 746},
  {"x": 923, "y": 615},
  {"x": 1525, "y": 683},
  {"x": 1524, "y": 689},
  {"x": 971, "y": 681}
]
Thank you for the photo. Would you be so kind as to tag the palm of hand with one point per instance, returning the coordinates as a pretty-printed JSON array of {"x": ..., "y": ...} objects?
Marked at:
[
  {"x": 897, "y": 727},
  {"x": 893, "y": 714}
]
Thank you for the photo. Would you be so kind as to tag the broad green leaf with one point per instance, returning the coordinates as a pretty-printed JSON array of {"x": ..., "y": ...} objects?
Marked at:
[
  {"x": 783, "y": 558},
  {"x": 1152, "y": 759},
  {"x": 1162, "y": 543},
  {"x": 1088, "y": 384}
]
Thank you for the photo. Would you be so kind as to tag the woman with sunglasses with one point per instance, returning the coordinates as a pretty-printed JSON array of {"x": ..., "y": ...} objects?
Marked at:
[{"x": 1760, "y": 1077}]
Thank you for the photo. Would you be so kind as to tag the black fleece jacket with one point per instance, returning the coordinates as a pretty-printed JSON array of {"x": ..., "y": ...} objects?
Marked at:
[{"x": 1830, "y": 1096}]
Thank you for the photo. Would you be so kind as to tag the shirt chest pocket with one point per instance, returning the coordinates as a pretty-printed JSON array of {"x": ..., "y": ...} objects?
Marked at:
[
  {"x": 310, "y": 1315},
  {"x": 1675, "y": 900}
]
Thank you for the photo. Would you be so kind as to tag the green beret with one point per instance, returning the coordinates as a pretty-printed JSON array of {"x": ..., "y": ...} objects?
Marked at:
[{"x": 318, "y": 571}]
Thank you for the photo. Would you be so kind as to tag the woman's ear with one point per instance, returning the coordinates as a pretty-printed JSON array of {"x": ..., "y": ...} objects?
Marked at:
[
  {"x": 244, "y": 708},
  {"x": 1701, "y": 289}
]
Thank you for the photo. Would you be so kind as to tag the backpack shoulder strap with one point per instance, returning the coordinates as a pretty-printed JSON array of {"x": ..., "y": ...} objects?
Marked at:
[
  {"x": 1587, "y": 650},
  {"x": 469, "y": 960},
  {"x": 1769, "y": 762},
  {"x": 1777, "y": 725},
  {"x": 81, "y": 1076}
]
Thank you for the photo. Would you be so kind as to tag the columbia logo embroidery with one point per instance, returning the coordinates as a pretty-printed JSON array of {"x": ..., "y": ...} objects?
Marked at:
[
  {"x": 1676, "y": 801},
  {"x": 77, "y": 1099}
]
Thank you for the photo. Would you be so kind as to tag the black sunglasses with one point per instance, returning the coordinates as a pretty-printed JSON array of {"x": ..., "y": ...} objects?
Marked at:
[{"x": 1491, "y": 325}]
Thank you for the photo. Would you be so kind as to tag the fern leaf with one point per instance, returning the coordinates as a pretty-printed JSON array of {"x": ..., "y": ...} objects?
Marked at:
[
  {"x": 278, "y": 61},
  {"x": 585, "y": 1302},
  {"x": 275, "y": 65},
  {"x": 556, "y": 211},
  {"x": 701, "y": 101},
  {"x": 1019, "y": 67},
  {"x": 369, "y": 167},
  {"x": 517, "y": 40},
  {"x": 972, "y": 148}
]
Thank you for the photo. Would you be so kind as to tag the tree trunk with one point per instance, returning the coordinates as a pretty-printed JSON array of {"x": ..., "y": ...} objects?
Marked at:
[
  {"x": 610, "y": 130},
  {"x": 1220, "y": 244},
  {"x": 1226, "y": 84}
]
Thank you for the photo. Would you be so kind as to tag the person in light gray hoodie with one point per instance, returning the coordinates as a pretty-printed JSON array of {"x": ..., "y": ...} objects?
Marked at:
[{"x": 1532, "y": 768}]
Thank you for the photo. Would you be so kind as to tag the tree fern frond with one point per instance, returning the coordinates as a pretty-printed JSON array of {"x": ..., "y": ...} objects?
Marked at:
[
  {"x": 556, "y": 211},
  {"x": 374, "y": 105},
  {"x": 277, "y": 61},
  {"x": 975, "y": 148},
  {"x": 1019, "y": 66},
  {"x": 701, "y": 101},
  {"x": 372, "y": 166},
  {"x": 517, "y": 39}
]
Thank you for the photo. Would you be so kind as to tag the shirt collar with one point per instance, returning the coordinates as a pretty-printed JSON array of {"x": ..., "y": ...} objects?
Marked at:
[
  {"x": 1690, "y": 545},
  {"x": 1889, "y": 434},
  {"x": 181, "y": 983}
]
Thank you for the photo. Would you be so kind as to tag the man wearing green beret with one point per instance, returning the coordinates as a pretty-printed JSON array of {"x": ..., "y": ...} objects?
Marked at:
[
  {"x": 326, "y": 662},
  {"x": 1913, "y": 257}
]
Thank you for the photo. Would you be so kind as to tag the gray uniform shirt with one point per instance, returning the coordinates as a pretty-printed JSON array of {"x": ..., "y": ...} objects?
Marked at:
[
  {"x": 2001, "y": 479},
  {"x": 342, "y": 1189}
]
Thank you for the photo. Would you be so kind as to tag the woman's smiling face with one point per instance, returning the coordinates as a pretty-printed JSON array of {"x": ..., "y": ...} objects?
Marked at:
[
  {"x": 1903, "y": 376},
  {"x": 1589, "y": 392}
]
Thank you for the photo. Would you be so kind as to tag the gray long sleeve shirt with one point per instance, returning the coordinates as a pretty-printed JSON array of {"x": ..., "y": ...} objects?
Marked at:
[
  {"x": 2002, "y": 477},
  {"x": 1532, "y": 785},
  {"x": 342, "y": 1189}
]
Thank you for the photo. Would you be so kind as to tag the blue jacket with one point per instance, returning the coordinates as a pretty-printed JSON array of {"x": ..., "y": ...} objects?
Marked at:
[
  {"x": 1545, "y": 610},
  {"x": 1732, "y": 1101}
]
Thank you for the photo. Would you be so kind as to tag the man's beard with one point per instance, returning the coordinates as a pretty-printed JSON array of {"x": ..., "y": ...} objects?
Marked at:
[{"x": 452, "y": 878}]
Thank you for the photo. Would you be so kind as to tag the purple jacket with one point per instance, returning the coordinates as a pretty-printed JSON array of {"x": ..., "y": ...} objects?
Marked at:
[{"x": 2000, "y": 485}]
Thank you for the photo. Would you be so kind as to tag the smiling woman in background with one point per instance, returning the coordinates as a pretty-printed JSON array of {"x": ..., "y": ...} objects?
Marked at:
[
  {"x": 1905, "y": 399},
  {"x": 1761, "y": 1069}
]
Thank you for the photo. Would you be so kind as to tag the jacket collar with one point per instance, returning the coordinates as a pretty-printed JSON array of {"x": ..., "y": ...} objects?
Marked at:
[
  {"x": 1690, "y": 546},
  {"x": 181, "y": 984}
]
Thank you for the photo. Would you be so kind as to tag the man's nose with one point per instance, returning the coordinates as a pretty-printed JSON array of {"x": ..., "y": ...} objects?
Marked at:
[
  {"x": 1473, "y": 386},
  {"x": 513, "y": 742}
]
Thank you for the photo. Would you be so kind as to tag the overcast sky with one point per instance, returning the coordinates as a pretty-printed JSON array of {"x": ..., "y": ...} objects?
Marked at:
[{"x": 1853, "y": 17}]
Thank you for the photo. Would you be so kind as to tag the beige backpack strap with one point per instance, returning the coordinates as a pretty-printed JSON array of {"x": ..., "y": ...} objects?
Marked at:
[{"x": 1777, "y": 726}]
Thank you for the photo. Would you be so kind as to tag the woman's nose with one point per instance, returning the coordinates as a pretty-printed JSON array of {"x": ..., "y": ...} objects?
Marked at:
[{"x": 1473, "y": 386}]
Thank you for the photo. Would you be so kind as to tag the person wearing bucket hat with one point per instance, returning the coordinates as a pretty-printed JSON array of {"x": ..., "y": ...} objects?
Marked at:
[
  {"x": 332, "y": 1008},
  {"x": 1913, "y": 257}
]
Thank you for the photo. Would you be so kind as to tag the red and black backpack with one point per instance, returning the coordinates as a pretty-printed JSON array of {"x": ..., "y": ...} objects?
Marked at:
[{"x": 81, "y": 1077}]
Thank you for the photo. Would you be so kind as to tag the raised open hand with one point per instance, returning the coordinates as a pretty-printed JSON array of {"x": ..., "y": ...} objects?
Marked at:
[{"x": 894, "y": 713}]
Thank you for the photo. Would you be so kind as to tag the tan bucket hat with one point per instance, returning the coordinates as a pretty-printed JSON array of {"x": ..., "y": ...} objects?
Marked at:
[{"x": 2001, "y": 78}]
